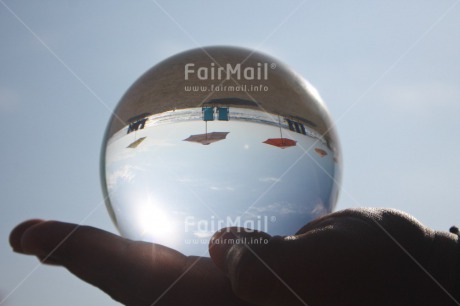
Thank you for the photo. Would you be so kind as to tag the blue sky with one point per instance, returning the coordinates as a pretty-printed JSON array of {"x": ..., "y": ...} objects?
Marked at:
[{"x": 388, "y": 72}]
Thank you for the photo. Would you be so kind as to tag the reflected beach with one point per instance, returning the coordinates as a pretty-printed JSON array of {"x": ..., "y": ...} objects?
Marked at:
[
  {"x": 230, "y": 172},
  {"x": 179, "y": 165}
]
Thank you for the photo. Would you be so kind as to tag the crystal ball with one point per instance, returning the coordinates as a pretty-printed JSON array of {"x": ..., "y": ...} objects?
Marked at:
[{"x": 216, "y": 137}]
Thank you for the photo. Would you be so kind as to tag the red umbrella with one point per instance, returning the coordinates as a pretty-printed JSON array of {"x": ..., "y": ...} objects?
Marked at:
[
  {"x": 320, "y": 152},
  {"x": 282, "y": 143},
  {"x": 207, "y": 138}
]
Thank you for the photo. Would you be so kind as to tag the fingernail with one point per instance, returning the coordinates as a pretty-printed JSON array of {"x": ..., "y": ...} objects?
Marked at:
[{"x": 18, "y": 232}]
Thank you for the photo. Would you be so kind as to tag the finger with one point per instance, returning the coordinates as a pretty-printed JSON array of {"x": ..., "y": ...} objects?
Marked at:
[
  {"x": 313, "y": 267},
  {"x": 342, "y": 258},
  {"x": 18, "y": 231},
  {"x": 252, "y": 262},
  {"x": 134, "y": 273}
]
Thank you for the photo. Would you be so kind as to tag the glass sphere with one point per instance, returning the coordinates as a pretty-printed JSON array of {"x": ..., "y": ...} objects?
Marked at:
[{"x": 216, "y": 137}]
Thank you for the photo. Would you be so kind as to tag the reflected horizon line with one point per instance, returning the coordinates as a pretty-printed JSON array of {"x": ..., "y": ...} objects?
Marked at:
[{"x": 236, "y": 114}]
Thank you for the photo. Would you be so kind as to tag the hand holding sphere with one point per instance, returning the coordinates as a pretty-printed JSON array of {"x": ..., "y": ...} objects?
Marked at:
[
  {"x": 343, "y": 258},
  {"x": 227, "y": 150}
]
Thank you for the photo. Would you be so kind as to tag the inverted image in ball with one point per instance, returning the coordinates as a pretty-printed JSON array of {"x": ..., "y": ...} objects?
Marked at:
[{"x": 216, "y": 137}]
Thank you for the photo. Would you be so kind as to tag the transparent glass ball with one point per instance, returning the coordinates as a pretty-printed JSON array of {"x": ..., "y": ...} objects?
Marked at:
[{"x": 216, "y": 137}]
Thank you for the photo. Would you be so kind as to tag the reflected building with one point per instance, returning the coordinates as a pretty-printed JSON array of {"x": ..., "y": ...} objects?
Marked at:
[{"x": 218, "y": 137}]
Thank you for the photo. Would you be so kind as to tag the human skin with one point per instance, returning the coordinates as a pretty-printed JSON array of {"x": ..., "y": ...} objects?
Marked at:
[{"x": 351, "y": 257}]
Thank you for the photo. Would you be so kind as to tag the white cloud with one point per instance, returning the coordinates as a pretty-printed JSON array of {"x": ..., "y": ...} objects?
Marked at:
[
  {"x": 319, "y": 209},
  {"x": 269, "y": 179},
  {"x": 199, "y": 182},
  {"x": 286, "y": 208},
  {"x": 160, "y": 143},
  {"x": 228, "y": 188},
  {"x": 282, "y": 208},
  {"x": 124, "y": 174}
]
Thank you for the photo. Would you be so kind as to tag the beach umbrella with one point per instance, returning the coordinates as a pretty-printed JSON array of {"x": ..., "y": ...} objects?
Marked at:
[
  {"x": 282, "y": 143},
  {"x": 135, "y": 143},
  {"x": 320, "y": 152},
  {"x": 207, "y": 138}
]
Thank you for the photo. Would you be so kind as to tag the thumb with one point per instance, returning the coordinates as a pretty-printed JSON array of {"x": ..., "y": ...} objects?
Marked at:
[{"x": 251, "y": 261}]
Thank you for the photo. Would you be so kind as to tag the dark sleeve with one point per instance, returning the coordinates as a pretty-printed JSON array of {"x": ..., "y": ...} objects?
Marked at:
[
  {"x": 457, "y": 283},
  {"x": 446, "y": 264}
]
